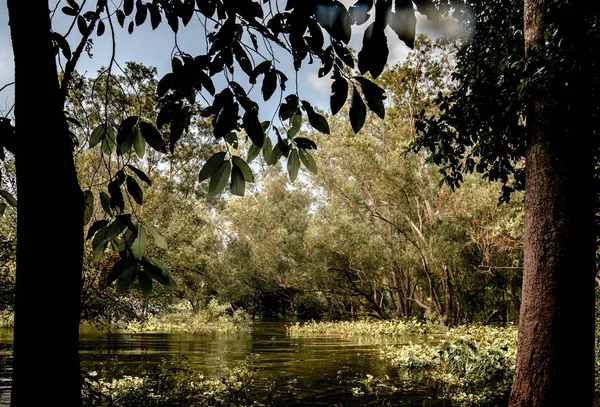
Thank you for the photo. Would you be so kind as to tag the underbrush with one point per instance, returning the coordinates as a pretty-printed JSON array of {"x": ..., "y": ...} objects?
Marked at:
[
  {"x": 215, "y": 318},
  {"x": 388, "y": 328},
  {"x": 172, "y": 383}
]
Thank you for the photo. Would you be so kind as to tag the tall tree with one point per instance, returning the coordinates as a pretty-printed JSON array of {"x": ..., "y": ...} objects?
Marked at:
[{"x": 527, "y": 83}]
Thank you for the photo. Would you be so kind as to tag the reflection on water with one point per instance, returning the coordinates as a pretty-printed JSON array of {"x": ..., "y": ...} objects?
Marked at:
[{"x": 313, "y": 362}]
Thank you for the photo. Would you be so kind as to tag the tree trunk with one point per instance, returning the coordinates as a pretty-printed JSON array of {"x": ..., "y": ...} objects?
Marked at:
[
  {"x": 49, "y": 222},
  {"x": 555, "y": 358}
]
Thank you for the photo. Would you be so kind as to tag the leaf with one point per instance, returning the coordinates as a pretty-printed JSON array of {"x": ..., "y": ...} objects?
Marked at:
[
  {"x": 145, "y": 282},
  {"x": 403, "y": 21},
  {"x": 141, "y": 13},
  {"x": 359, "y": 12},
  {"x": 267, "y": 149},
  {"x": 242, "y": 58},
  {"x": 253, "y": 128},
  {"x": 97, "y": 136},
  {"x": 305, "y": 143},
  {"x": 296, "y": 123},
  {"x": 128, "y": 7},
  {"x": 101, "y": 28},
  {"x": 63, "y": 44},
  {"x": 244, "y": 168},
  {"x": 120, "y": 17},
  {"x": 105, "y": 202},
  {"x": 238, "y": 185},
  {"x": 219, "y": 179},
  {"x": 159, "y": 239},
  {"x": 127, "y": 278},
  {"x": 253, "y": 152},
  {"x": 96, "y": 226},
  {"x": 140, "y": 174},
  {"x": 115, "y": 272},
  {"x": 139, "y": 145},
  {"x": 116, "y": 196},
  {"x": 334, "y": 18},
  {"x": 130, "y": 27},
  {"x": 308, "y": 161},
  {"x": 9, "y": 198},
  {"x": 155, "y": 17},
  {"x": 374, "y": 52},
  {"x": 138, "y": 248},
  {"x": 157, "y": 271},
  {"x": 69, "y": 11},
  {"x": 269, "y": 84},
  {"x": 82, "y": 25},
  {"x": 315, "y": 119},
  {"x": 88, "y": 199},
  {"x": 374, "y": 96},
  {"x": 153, "y": 137},
  {"x": 293, "y": 164},
  {"x": 2, "y": 208},
  {"x": 358, "y": 112},
  {"x": 134, "y": 190},
  {"x": 339, "y": 94},
  {"x": 211, "y": 166}
]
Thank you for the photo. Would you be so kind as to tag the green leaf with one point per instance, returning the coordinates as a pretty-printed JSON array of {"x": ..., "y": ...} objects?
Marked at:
[
  {"x": 211, "y": 166},
  {"x": 82, "y": 25},
  {"x": 134, "y": 190},
  {"x": 219, "y": 179},
  {"x": 253, "y": 152},
  {"x": 238, "y": 185},
  {"x": 145, "y": 282},
  {"x": 96, "y": 226},
  {"x": 244, "y": 168},
  {"x": 308, "y": 161},
  {"x": 296, "y": 123},
  {"x": 88, "y": 199},
  {"x": 105, "y": 202},
  {"x": 127, "y": 278},
  {"x": 267, "y": 149},
  {"x": 115, "y": 272},
  {"x": 128, "y": 7},
  {"x": 358, "y": 112},
  {"x": 153, "y": 137},
  {"x": 159, "y": 239},
  {"x": 98, "y": 252},
  {"x": 157, "y": 271},
  {"x": 99, "y": 237},
  {"x": 141, "y": 13},
  {"x": 140, "y": 174},
  {"x": 293, "y": 165},
  {"x": 139, "y": 145},
  {"x": 138, "y": 248},
  {"x": 97, "y": 136},
  {"x": 9, "y": 198},
  {"x": 2, "y": 208}
]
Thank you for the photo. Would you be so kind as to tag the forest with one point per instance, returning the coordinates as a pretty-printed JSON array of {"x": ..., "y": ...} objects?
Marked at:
[{"x": 419, "y": 241}]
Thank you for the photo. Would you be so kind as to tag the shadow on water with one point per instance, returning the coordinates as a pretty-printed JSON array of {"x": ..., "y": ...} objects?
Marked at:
[{"x": 311, "y": 367}]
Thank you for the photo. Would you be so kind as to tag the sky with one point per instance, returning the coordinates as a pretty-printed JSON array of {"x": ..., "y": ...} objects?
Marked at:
[{"x": 154, "y": 48}]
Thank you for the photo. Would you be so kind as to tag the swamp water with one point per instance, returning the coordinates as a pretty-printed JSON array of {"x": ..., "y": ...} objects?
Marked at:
[{"x": 313, "y": 371}]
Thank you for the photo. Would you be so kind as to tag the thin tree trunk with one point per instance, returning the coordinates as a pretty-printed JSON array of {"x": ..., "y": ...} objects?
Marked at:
[
  {"x": 448, "y": 296},
  {"x": 49, "y": 222},
  {"x": 555, "y": 358}
]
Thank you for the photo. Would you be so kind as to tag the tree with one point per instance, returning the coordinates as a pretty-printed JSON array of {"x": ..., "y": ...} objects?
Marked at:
[
  {"x": 46, "y": 142},
  {"x": 526, "y": 86}
]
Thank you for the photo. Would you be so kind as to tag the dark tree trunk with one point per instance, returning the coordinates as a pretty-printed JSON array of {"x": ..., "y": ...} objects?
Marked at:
[
  {"x": 555, "y": 359},
  {"x": 49, "y": 222}
]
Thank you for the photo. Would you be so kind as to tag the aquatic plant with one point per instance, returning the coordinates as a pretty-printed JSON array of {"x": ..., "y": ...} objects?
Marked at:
[
  {"x": 214, "y": 318},
  {"x": 364, "y": 328}
]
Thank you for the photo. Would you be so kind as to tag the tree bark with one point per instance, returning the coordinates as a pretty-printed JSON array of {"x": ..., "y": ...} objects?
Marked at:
[
  {"x": 49, "y": 222},
  {"x": 555, "y": 358}
]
